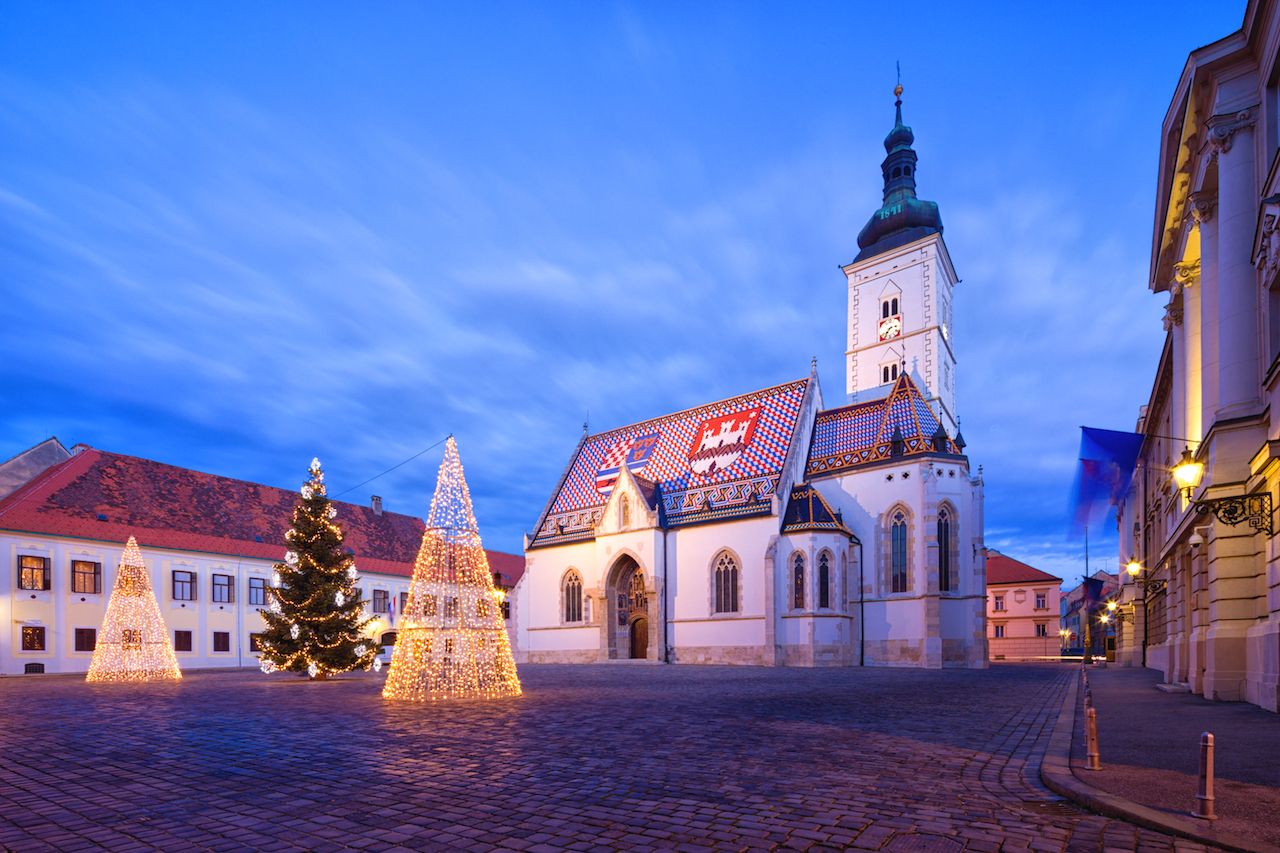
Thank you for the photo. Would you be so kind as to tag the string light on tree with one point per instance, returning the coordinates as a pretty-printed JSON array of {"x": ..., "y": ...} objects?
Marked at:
[
  {"x": 452, "y": 642},
  {"x": 315, "y": 617},
  {"x": 133, "y": 643}
]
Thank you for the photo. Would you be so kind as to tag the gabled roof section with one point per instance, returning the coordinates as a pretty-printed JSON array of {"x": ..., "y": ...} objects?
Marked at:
[
  {"x": 717, "y": 461},
  {"x": 865, "y": 433},
  {"x": 1002, "y": 569},
  {"x": 105, "y": 497},
  {"x": 807, "y": 510}
]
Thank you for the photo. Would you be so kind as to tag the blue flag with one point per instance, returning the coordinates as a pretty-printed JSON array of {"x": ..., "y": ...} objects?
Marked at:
[{"x": 1107, "y": 461}]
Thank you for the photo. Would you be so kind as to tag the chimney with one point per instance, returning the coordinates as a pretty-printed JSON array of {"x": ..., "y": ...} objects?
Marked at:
[{"x": 376, "y": 503}]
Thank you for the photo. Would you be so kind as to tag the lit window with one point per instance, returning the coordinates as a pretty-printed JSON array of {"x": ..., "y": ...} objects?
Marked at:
[
  {"x": 33, "y": 572},
  {"x": 86, "y": 577},
  {"x": 32, "y": 638}
]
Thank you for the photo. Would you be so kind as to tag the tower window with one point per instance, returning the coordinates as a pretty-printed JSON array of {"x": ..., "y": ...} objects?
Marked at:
[
  {"x": 884, "y": 310},
  {"x": 889, "y": 373},
  {"x": 893, "y": 305},
  {"x": 906, "y": 170},
  {"x": 897, "y": 173}
]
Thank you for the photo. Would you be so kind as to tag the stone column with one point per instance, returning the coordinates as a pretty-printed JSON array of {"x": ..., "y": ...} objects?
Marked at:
[{"x": 1231, "y": 139}]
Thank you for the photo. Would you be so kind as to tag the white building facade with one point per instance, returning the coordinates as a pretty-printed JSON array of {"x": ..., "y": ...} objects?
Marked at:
[
  {"x": 769, "y": 529},
  {"x": 210, "y": 543}
]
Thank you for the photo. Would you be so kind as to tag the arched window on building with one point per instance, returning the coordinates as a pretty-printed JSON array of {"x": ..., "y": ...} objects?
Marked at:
[
  {"x": 824, "y": 579},
  {"x": 898, "y": 575},
  {"x": 945, "y": 569},
  {"x": 726, "y": 583},
  {"x": 797, "y": 582},
  {"x": 573, "y": 597}
]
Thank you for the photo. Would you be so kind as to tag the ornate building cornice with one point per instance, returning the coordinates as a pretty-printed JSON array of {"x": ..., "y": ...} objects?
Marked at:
[
  {"x": 1172, "y": 316},
  {"x": 1201, "y": 206},
  {"x": 1185, "y": 275}
]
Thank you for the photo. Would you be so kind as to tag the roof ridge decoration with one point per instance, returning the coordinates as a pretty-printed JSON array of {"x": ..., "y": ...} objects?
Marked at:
[
  {"x": 715, "y": 461},
  {"x": 899, "y": 425}
]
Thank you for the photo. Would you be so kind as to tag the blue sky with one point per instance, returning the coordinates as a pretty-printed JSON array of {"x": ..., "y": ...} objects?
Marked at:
[{"x": 234, "y": 236}]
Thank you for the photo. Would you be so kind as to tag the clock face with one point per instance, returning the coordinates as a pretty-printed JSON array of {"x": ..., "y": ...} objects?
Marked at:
[{"x": 890, "y": 327}]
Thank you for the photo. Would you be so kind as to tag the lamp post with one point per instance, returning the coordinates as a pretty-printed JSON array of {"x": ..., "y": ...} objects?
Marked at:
[
  {"x": 1063, "y": 634},
  {"x": 1137, "y": 574}
]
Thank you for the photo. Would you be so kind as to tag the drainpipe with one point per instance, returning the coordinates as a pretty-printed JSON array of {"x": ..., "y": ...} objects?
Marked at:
[
  {"x": 862, "y": 612},
  {"x": 666, "y": 609}
]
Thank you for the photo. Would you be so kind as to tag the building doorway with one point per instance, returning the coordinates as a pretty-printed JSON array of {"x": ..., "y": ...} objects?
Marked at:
[{"x": 639, "y": 638}]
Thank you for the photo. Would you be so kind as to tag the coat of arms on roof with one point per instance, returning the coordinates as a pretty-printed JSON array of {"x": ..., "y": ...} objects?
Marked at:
[
  {"x": 634, "y": 453},
  {"x": 720, "y": 441}
]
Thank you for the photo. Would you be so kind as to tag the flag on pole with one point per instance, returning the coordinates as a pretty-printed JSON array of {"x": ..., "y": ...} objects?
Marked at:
[
  {"x": 391, "y": 610},
  {"x": 1107, "y": 461}
]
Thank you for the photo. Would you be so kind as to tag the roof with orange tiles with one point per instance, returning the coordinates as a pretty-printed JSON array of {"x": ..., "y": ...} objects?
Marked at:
[
  {"x": 108, "y": 497},
  {"x": 1002, "y": 569}
]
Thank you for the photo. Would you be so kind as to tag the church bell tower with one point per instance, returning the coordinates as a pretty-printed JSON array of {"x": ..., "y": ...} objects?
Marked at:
[{"x": 901, "y": 288}]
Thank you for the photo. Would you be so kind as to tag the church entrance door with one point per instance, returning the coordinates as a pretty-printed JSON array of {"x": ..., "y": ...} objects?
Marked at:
[{"x": 640, "y": 638}]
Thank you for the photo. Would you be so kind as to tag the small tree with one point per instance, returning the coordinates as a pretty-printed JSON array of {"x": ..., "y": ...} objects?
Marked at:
[{"x": 315, "y": 617}]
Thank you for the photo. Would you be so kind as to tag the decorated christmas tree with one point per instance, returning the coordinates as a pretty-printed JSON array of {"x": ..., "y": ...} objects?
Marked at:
[
  {"x": 452, "y": 642},
  {"x": 133, "y": 644},
  {"x": 315, "y": 619}
]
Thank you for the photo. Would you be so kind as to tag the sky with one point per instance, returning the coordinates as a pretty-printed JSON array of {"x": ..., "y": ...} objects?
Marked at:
[{"x": 234, "y": 236}]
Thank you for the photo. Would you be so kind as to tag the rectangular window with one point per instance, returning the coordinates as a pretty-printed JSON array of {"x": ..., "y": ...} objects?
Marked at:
[
  {"x": 1042, "y": 602},
  {"x": 380, "y": 599},
  {"x": 184, "y": 586},
  {"x": 86, "y": 639},
  {"x": 257, "y": 592},
  {"x": 32, "y": 638},
  {"x": 86, "y": 577},
  {"x": 506, "y": 609},
  {"x": 404, "y": 602},
  {"x": 33, "y": 572},
  {"x": 223, "y": 589},
  {"x": 1042, "y": 629},
  {"x": 999, "y": 605},
  {"x": 222, "y": 641},
  {"x": 255, "y": 642},
  {"x": 182, "y": 641},
  {"x": 999, "y": 632}
]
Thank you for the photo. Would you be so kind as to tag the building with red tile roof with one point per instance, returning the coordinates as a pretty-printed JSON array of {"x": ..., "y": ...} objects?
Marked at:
[
  {"x": 79, "y": 507},
  {"x": 1023, "y": 610}
]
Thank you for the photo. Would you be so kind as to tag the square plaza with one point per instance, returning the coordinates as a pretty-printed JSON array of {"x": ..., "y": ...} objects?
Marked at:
[{"x": 614, "y": 756}]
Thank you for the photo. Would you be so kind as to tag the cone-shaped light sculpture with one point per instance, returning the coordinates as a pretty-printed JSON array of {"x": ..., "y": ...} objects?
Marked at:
[
  {"x": 452, "y": 642},
  {"x": 133, "y": 644}
]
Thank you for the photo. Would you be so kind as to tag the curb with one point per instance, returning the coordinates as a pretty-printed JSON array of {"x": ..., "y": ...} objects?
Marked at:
[{"x": 1055, "y": 772}]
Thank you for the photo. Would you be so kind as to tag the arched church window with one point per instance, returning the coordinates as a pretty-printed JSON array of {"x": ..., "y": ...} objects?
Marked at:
[
  {"x": 824, "y": 579},
  {"x": 893, "y": 305},
  {"x": 797, "y": 583},
  {"x": 726, "y": 583},
  {"x": 898, "y": 552},
  {"x": 897, "y": 173},
  {"x": 884, "y": 310},
  {"x": 573, "y": 597},
  {"x": 944, "y": 550}
]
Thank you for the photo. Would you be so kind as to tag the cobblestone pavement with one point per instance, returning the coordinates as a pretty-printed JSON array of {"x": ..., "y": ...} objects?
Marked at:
[{"x": 591, "y": 758}]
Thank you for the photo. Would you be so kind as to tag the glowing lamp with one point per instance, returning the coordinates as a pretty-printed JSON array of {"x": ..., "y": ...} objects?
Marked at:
[
  {"x": 1133, "y": 567},
  {"x": 1111, "y": 606},
  {"x": 1188, "y": 472}
]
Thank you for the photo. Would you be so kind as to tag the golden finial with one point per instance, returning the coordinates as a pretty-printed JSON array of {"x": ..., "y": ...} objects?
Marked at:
[{"x": 897, "y": 90}]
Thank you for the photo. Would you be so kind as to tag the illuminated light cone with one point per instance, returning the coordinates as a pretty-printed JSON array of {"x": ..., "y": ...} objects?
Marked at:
[
  {"x": 452, "y": 642},
  {"x": 133, "y": 643}
]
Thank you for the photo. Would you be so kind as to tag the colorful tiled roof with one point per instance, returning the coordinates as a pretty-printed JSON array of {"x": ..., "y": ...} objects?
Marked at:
[
  {"x": 865, "y": 432},
  {"x": 721, "y": 460},
  {"x": 808, "y": 510},
  {"x": 107, "y": 497},
  {"x": 1002, "y": 569}
]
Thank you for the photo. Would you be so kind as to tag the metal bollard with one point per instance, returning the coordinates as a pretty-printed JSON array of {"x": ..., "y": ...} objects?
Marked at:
[
  {"x": 1091, "y": 739},
  {"x": 1204, "y": 799}
]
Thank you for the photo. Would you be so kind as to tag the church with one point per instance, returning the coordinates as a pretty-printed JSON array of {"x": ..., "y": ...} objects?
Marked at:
[{"x": 771, "y": 529}]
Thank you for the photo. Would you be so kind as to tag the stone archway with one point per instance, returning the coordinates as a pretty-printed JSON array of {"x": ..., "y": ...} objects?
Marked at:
[{"x": 629, "y": 622}]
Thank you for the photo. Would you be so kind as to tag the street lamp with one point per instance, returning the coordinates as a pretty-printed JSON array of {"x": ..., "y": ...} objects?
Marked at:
[
  {"x": 1188, "y": 473},
  {"x": 1135, "y": 571},
  {"x": 1253, "y": 508}
]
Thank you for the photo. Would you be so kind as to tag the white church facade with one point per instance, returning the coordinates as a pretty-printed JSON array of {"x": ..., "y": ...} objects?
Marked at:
[{"x": 770, "y": 529}]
